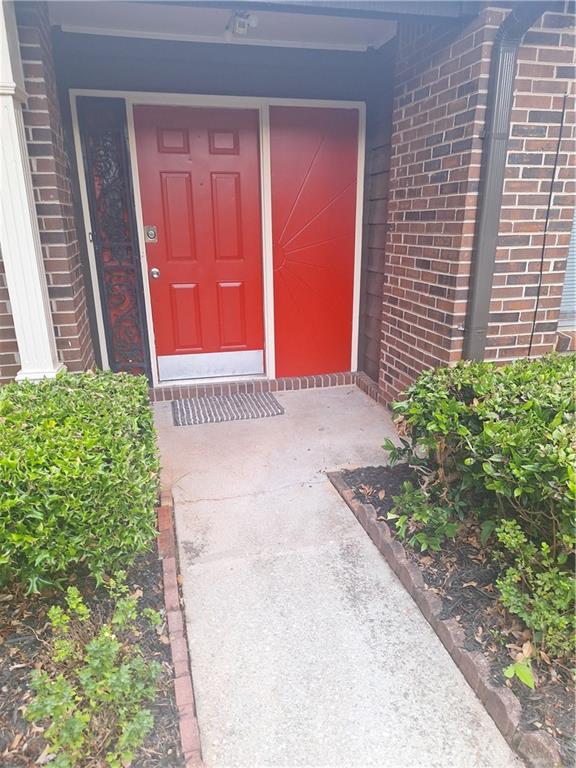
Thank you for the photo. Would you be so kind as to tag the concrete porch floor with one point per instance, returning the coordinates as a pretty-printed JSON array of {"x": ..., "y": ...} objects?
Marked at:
[{"x": 305, "y": 648}]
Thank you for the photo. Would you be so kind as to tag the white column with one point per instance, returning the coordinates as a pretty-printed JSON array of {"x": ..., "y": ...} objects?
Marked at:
[{"x": 19, "y": 236}]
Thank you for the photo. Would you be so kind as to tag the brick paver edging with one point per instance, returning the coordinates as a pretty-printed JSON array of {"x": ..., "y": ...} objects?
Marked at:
[
  {"x": 537, "y": 749},
  {"x": 183, "y": 688}
]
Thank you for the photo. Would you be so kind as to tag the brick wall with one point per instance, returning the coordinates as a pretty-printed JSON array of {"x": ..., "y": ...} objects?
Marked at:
[
  {"x": 51, "y": 183},
  {"x": 439, "y": 107},
  {"x": 545, "y": 72},
  {"x": 9, "y": 360},
  {"x": 440, "y": 96}
]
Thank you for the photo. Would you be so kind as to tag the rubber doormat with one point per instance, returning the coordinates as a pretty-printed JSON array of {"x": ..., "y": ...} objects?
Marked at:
[{"x": 216, "y": 408}]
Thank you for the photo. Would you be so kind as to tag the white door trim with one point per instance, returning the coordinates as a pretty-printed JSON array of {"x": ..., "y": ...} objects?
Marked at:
[
  {"x": 132, "y": 98},
  {"x": 267, "y": 251},
  {"x": 358, "y": 237}
]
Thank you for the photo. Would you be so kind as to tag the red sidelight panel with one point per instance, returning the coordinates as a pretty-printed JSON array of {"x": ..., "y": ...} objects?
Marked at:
[
  {"x": 314, "y": 157},
  {"x": 200, "y": 186}
]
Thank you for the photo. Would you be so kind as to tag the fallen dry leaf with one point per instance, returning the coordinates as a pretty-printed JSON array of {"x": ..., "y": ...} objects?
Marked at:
[
  {"x": 45, "y": 757},
  {"x": 15, "y": 741},
  {"x": 528, "y": 649}
]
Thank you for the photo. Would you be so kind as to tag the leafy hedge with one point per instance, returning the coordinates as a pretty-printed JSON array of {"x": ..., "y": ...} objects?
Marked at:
[
  {"x": 94, "y": 682},
  {"x": 499, "y": 444},
  {"x": 78, "y": 475}
]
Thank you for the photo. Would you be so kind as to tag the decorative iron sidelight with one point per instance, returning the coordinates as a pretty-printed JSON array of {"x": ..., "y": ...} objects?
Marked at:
[{"x": 102, "y": 124}]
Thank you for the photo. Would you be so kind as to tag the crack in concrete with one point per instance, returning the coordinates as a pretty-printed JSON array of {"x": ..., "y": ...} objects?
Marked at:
[{"x": 299, "y": 484}]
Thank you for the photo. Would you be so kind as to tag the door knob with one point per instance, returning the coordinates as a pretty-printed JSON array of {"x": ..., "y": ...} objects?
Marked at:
[{"x": 154, "y": 273}]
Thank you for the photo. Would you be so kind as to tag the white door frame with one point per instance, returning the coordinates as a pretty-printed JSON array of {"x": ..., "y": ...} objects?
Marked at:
[{"x": 133, "y": 98}]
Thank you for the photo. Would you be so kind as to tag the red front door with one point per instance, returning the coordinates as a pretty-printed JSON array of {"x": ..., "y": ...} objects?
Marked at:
[{"x": 200, "y": 190}]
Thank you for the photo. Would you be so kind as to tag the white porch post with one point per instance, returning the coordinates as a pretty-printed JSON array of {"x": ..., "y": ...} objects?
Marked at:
[{"x": 19, "y": 235}]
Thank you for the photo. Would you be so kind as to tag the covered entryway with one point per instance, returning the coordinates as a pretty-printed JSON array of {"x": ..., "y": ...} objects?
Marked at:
[
  {"x": 223, "y": 186},
  {"x": 220, "y": 250},
  {"x": 247, "y": 214}
]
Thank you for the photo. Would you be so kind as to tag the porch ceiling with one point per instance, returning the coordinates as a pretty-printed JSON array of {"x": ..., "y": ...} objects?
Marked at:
[{"x": 214, "y": 23}]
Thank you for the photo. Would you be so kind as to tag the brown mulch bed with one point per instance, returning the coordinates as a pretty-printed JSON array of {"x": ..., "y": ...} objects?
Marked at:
[
  {"x": 24, "y": 629},
  {"x": 463, "y": 574}
]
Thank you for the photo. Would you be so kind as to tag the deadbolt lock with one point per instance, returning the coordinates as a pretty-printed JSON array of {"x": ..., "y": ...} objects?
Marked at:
[{"x": 151, "y": 233}]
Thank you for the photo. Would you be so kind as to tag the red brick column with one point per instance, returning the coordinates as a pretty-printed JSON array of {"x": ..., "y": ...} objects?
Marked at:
[
  {"x": 52, "y": 189},
  {"x": 545, "y": 72},
  {"x": 438, "y": 115},
  {"x": 441, "y": 83}
]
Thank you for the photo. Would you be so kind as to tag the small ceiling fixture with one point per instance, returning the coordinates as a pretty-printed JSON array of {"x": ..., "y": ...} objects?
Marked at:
[{"x": 239, "y": 24}]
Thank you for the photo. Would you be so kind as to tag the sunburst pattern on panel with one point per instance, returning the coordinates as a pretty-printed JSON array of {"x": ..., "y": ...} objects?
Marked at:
[{"x": 314, "y": 233}]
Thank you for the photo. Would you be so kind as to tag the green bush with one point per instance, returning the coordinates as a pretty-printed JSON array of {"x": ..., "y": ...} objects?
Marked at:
[
  {"x": 95, "y": 683},
  {"x": 78, "y": 475},
  {"x": 420, "y": 521},
  {"x": 538, "y": 589},
  {"x": 502, "y": 441}
]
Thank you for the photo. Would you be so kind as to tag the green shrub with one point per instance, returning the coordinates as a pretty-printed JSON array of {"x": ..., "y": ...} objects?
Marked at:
[
  {"x": 93, "y": 693},
  {"x": 502, "y": 441},
  {"x": 78, "y": 475},
  {"x": 539, "y": 589},
  {"x": 420, "y": 521}
]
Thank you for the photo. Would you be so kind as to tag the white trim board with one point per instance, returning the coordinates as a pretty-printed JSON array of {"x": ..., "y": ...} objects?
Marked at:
[
  {"x": 213, "y": 40},
  {"x": 267, "y": 246},
  {"x": 132, "y": 98}
]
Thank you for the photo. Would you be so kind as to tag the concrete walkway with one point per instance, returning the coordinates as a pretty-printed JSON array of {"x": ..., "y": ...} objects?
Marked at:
[{"x": 305, "y": 648}]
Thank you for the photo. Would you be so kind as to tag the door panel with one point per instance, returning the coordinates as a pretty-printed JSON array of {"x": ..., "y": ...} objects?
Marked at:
[
  {"x": 314, "y": 155},
  {"x": 232, "y": 309},
  {"x": 178, "y": 216},
  {"x": 227, "y": 215},
  {"x": 200, "y": 187},
  {"x": 185, "y": 310}
]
